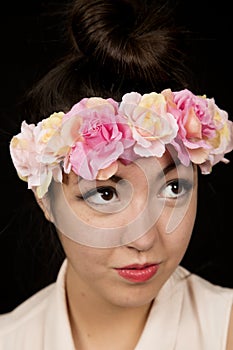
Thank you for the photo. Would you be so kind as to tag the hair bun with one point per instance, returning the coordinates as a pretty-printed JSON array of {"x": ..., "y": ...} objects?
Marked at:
[
  {"x": 124, "y": 36},
  {"x": 100, "y": 25}
]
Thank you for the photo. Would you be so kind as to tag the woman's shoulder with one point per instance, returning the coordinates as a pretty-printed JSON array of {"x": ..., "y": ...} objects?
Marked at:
[
  {"x": 32, "y": 309},
  {"x": 40, "y": 322},
  {"x": 23, "y": 327},
  {"x": 205, "y": 311},
  {"x": 26, "y": 315},
  {"x": 211, "y": 306}
]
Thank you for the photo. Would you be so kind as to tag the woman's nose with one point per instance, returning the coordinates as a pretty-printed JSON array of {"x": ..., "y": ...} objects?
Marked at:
[
  {"x": 141, "y": 218},
  {"x": 145, "y": 224},
  {"x": 146, "y": 241}
]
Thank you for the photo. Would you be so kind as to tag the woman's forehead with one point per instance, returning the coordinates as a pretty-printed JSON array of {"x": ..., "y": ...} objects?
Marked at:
[
  {"x": 148, "y": 166},
  {"x": 154, "y": 167}
]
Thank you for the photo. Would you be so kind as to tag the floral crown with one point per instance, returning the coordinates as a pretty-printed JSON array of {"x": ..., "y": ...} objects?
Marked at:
[{"x": 97, "y": 132}]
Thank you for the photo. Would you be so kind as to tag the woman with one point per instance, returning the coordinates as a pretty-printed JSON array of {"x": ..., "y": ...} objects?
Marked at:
[{"x": 112, "y": 154}]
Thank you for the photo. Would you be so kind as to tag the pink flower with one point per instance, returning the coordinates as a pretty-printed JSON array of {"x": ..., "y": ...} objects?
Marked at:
[
  {"x": 32, "y": 162},
  {"x": 222, "y": 142},
  {"x": 196, "y": 125},
  {"x": 152, "y": 126},
  {"x": 37, "y": 151},
  {"x": 105, "y": 137},
  {"x": 26, "y": 163}
]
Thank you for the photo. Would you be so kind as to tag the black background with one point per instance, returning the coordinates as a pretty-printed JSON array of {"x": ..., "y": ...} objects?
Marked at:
[{"x": 30, "y": 41}]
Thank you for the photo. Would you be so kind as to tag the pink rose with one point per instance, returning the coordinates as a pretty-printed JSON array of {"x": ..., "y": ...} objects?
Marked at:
[
  {"x": 34, "y": 162},
  {"x": 152, "y": 126},
  {"x": 196, "y": 125},
  {"x": 105, "y": 134}
]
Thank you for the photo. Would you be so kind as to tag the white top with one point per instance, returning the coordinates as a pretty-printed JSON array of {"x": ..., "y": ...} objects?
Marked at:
[{"x": 189, "y": 313}]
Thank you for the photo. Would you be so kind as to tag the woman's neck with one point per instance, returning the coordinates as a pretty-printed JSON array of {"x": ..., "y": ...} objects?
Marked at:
[{"x": 98, "y": 324}]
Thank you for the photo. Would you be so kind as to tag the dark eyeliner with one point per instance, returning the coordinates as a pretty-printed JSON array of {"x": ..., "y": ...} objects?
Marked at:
[
  {"x": 184, "y": 185},
  {"x": 95, "y": 190},
  {"x": 187, "y": 185}
]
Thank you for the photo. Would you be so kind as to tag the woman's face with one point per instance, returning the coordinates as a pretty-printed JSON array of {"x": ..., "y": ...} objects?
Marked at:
[{"x": 158, "y": 198}]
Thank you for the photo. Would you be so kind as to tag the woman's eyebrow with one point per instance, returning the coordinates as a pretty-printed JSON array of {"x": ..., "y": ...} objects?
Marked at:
[
  {"x": 113, "y": 178},
  {"x": 171, "y": 166}
]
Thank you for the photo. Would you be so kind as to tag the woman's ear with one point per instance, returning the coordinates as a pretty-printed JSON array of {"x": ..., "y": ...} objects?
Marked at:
[{"x": 44, "y": 204}]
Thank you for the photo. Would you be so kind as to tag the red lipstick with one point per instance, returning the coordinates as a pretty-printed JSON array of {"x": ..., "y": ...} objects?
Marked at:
[{"x": 138, "y": 273}]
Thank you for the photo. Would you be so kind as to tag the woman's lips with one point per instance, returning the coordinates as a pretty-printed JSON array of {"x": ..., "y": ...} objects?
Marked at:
[{"x": 138, "y": 273}]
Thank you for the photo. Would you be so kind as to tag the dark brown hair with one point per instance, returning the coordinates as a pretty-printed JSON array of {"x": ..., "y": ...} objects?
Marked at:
[{"x": 113, "y": 47}]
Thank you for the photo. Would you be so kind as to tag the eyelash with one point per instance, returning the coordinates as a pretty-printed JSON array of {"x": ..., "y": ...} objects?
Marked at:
[
  {"x": 182, "y": 186},
  {"x": 99, "y": 190}
]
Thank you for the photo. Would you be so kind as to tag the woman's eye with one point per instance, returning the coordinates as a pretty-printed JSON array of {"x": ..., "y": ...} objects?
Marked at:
[
  {"x": 101, "y": 195},
  {"x": 175, "y": 189}
]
